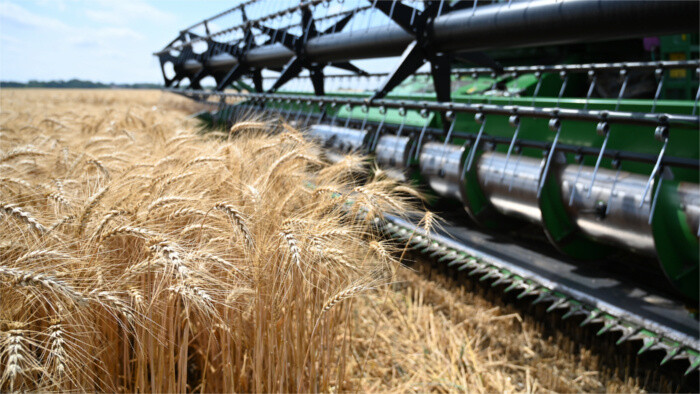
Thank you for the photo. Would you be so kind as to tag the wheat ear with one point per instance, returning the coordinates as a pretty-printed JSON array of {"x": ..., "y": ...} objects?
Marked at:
[
  {"x": 137, "y": 232},
  {"x": 293, "y": 247},
  {"x": 410, "y": 191},
  {"x": 163, "y": 201},
  {"x": 59, "y": 198},
  {"x": 238, "y": 219},
  {"x": 107, "y": 298},
  {"x": 41, "y": 254},
  {"x": 21, "y": 215},
  {"x": 198, "y": 227},
  {"x": 172, "y": 256},
  {"x": 106, "y": 219},
  {"x": 16, "y": 181},
  {"x": 326, "y": 189},
  {"x": 246, "y": 125},
  {"x": 203, "y": 159},
  {"x": 291, "y": 134},
  {"x": 99, "y": 166},
  {"x": 61, "y": 222},
  {"x": 92, "y": 203},
  {"x": 182, "y": 212},
  {"x": 17, "y": 349},
  {"x": 219, "y": 260},
  {"x": 19, "y": 153},
  {"x": 176, "y": 178},
  {"x": 28, "y": 278},
  {"x": 343, "y": 295},
  {"x": 57, "y": 350}
]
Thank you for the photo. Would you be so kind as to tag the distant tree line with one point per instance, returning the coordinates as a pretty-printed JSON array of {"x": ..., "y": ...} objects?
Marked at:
[{"x": 78, "y": 84}]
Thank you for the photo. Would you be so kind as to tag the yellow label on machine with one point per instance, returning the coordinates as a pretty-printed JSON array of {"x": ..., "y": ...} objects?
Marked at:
[{"x": 677, "y": 72}]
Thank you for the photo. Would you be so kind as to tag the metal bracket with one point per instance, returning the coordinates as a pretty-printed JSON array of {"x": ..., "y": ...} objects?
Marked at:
[
  {"x": 421, "y": 50},
  {"x": 300, "y": 60}
]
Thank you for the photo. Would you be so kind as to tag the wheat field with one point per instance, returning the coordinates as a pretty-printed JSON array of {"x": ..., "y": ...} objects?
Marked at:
[{"x": 139, "y": 255}]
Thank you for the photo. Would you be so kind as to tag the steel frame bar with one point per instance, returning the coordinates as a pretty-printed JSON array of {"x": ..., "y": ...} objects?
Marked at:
[
  {"x": 560, "y": 22},
  {"x": 641, "y": 119},
  {"x": 569, "y": 68},
  {"x": 680, "y": 162}
]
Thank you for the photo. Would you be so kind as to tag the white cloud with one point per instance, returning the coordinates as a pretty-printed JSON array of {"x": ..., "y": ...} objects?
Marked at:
[
  {"x": 18, "y": 16},
  {"x": 124, "y": 11}
]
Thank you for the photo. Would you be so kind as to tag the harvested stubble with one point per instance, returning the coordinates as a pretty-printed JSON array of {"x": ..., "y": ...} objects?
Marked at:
[{"x": 136, "y": 255}]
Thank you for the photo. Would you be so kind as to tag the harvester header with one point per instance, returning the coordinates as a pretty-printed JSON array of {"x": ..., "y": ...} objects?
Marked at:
[{"x": 574, "y": 119}]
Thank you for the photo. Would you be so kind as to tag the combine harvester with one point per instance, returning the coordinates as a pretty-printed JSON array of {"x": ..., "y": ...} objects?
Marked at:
[{"x": 571, "y": 121}]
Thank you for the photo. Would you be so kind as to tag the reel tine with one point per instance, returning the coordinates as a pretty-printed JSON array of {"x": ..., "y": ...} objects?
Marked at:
[
  {"x": 402, "y": 111},
  {"x": 423, "y": 113},
  {"x": 660, "y": 76},
  {"x": 349, "y": 108},
  {"x": 661, "y": 133},
  {"x": 514, "y": 121},
  {"x": 593, "y": 78},
  {"x": 603, "y": 129},
  {"x": 538, "y": 75},
  {"x": 697, "y": 95},
  {"x": 308, "y": 115},
  {"x": 555, "y": 125},
  {"x": 373, "y": 145},
  {"x": 479, "y": 118},
  {"x": 335, "y": 114},
  {"x": 616, "y": 164},
  {"x": 450, "y": 115},
  {"x": 364, "y": 109},
  {"x": 579, "y": 159},
  {"x": 625, "y": 75},
  {"x": 656, "y": 197},
  {"x": 565, "y": 77}
]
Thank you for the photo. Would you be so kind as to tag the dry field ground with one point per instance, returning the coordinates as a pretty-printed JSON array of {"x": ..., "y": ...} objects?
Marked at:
[{"x": 137, "y": 255}]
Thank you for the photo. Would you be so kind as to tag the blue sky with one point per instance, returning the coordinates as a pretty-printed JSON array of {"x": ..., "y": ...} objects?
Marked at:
[{"x": 99, "y": 40}]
